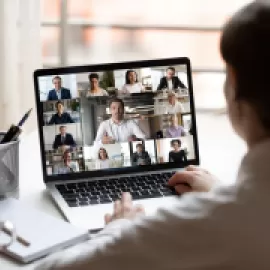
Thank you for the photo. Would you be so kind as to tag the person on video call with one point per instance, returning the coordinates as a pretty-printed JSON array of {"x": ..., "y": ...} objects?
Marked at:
[
  {"x": 61, "y": 117},
  {"x": 141, "y": 156},
  {"x": 118, "y": 129},
  {"x": 58, "y": 92},
  {"x": 132, "y": 85},
  {"x": 68, "y": 165},
  {"x": 103, "y": 161},
  {"x": 170, "y": 81},
  {"x": 94, "y": 89},
  {"x": 174, "y": 130},
  {"x": 212, "y": 226},
  {"x": 177, "y": 155},
  {"x": 63, "y": 140},
  {"x": 174, "y": 106}
]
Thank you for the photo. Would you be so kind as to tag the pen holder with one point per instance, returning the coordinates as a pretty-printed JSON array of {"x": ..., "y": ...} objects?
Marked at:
[{"x": 9, "y": 169}]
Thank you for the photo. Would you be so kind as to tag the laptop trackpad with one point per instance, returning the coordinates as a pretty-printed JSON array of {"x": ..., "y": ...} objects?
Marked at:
[{"x": 92, "y": 217}]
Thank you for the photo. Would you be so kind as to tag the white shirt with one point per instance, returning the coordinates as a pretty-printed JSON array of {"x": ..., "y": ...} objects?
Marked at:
[
  {"x": 225, "y": 229},
  {"x": 119, "y": 132},
  {"x": 58, "y": 93},
  {"x": 102, "y": 164},
  {"x": 170, "y": 84},
  {"x": 132, "y": 88},
  {"x": 101, "y": 92},
  {"x": 63, "y": 169},
  {"x": 177, "y": 108}
]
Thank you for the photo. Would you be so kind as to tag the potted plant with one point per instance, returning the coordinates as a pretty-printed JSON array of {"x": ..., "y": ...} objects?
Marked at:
[{"x": 107, "y": 82}]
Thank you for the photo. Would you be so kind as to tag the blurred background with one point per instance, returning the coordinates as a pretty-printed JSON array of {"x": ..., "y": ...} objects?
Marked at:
[
  {"x": 52, "y": 33},
  {"x": 76, "y": 32}
]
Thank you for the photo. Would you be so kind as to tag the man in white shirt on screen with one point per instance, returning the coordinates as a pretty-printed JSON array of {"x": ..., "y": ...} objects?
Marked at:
[
  {"x": 174, "y": 106},
  {"x": 117, "y": 129}
]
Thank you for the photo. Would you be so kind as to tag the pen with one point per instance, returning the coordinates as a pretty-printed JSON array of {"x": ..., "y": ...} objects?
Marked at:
[
  {"x": 24, "y": 118},
  {"x": 14, "y": 131}
]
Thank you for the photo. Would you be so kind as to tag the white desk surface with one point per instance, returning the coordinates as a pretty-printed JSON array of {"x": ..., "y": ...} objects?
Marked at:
[{"x": 220, "y": 151}]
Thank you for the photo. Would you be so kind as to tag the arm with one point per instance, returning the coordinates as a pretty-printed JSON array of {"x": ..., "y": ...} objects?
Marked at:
[
  {"x": 170, "y": 157},
  {"x": 55, "y": 144},
  {"x": 100, "y": 132},
  {"x": 167, "y": 134},
  {"x": 134, "y": 159},
  {"x": 160, "y": 86},
  {"x": 181, "y": 108},
  {"x": 180, "y": 84},
  {"x": 68, "y": 94},
  {"x": 137, "y": 131},
  {"x": 69, "y": 118},
  {"x": 52, "y": 121},
  {"x": 72, "y": 142},
  {"x": 184, "y": 156},
  {"x": 148, "y": 159},
  {"x": 183, "y": 237},
  {"x": 49, "y": 96}
]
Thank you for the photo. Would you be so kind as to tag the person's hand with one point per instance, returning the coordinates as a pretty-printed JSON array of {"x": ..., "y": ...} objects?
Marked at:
[
  {"x": 192, "y": 179},
  {"x": 124, "y": 209},
  {"x": 107, "y": 139}
]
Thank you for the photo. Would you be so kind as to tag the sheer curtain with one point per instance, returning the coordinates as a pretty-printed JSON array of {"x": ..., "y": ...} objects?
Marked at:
[{"x": 20, "y": 54}]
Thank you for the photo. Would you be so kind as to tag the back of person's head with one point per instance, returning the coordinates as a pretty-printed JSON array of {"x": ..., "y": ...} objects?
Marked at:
[{"x": 245, "y": 47}]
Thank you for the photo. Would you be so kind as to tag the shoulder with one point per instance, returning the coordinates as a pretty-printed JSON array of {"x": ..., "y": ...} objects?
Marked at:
[
  {"x": 65, "y": 89},
  {"x": 130, "y": 122},
  {"x": 104, "y": 123},
  {"x": 51, "y": 91},
  {"x": 104, "y": 92}
]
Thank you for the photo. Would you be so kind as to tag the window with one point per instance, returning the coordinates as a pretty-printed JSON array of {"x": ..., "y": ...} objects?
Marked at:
[{"x": 76, "y": 32}]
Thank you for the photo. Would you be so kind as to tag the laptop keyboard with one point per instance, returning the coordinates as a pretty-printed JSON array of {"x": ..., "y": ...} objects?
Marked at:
[{"x": 101, "y": 192}]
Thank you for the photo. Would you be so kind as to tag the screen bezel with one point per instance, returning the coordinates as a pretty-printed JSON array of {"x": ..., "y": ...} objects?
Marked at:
[{"x": 105, "y": 67}]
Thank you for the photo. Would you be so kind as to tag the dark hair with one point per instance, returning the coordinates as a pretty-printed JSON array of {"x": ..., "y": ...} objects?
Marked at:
[
  {"x": 62, "y": 127},
  {"x": 57, "y": 103},
  {"x": 57, "y": 77},
  {"x": 245, "y": 46},
  {"x": 101, "y": 148},
  {"x": 93, "y": 76},
  {"x": 117, "y": 100},
  {"x": 171, "y": 68},
  {"x": 139, "y": 145},
  {"x": 175, "y": 141},
  {"x": 127, "y": 74}
]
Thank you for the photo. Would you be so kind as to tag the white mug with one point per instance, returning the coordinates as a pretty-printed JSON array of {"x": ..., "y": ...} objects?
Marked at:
[{"x": 9, "y": 169}]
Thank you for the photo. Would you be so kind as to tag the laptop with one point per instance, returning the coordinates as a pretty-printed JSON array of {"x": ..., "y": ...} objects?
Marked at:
[{"x": 112, "y": 128}]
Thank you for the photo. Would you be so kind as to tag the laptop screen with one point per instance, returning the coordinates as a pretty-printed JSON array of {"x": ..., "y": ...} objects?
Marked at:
[{"x": 109, "y": 120}]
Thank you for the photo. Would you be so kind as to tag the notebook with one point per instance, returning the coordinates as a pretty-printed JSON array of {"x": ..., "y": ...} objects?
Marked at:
[{"x": 45, "y": 233}]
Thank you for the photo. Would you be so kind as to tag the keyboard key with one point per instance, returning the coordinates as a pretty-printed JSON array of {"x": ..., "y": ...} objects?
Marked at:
[
  {"x": 70, "y": 204},
  {"x": 115, "y": 197},
  {"x": 84, "y": 203},
  {"x": 94, "y": 202},
  {"x": 105, "y": 200},
  {"x": 104, "y": 197},
  {"x": 71, "y": 186},
  {"x": 74, "y": 200},
  {"x": 83, "y": 199}
]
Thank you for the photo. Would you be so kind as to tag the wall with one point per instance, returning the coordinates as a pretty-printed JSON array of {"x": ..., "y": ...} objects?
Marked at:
[{"x": 20, "y": 54}]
